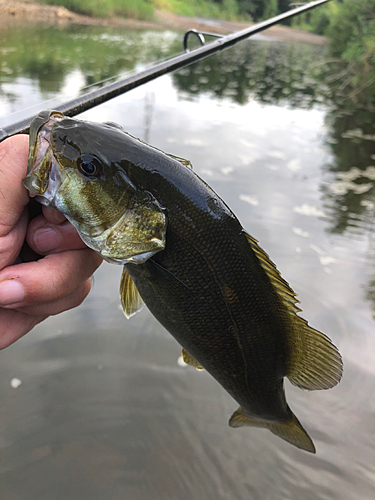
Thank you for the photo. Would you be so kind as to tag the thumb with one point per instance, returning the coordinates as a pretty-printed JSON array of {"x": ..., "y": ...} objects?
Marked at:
[
  {"x": 13, "y": 196},
  {"x": 45, "y": 237}
]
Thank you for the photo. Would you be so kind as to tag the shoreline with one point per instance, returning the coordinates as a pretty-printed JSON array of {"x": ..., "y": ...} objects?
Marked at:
[{"x": 21, "y": 10}]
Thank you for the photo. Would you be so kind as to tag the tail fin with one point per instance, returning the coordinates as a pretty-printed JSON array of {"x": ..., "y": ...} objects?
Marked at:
[{"x": 290, "y": 430}]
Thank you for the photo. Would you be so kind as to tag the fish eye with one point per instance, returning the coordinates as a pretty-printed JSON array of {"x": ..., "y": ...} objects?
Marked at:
[{"x": 89, "y": 166}]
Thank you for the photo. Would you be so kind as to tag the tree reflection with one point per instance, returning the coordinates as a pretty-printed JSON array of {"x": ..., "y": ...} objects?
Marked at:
[
  {"x": 47, "y": 54},
  {"x": 297, "y": 75},
  {"x": 268, "y": 72},
  {"x": 349, "y": 197}
]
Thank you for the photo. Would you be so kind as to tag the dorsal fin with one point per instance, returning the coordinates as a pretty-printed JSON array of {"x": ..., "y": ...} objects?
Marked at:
[
  {"x": 314, "y": 361},
  {"x": 185, "y": 162},
  {"x": 131, "y": 300}
]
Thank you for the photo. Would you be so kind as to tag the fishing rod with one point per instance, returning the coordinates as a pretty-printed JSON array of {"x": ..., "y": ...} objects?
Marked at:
[{"x": 94, "y": 98}]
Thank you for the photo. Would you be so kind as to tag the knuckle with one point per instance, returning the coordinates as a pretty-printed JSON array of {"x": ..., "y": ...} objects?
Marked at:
[{"x": 59, "y": 284}]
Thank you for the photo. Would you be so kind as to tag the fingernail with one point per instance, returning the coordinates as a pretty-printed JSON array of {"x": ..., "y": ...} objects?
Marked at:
[
  {"x": 46, "y": 240},
  {"x": 11, "y": 292}
]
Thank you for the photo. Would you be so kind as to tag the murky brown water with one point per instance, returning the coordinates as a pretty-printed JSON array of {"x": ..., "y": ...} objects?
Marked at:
[{"x": 104, "y": 409}]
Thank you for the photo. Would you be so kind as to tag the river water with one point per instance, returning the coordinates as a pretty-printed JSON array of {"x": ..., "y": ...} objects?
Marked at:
[{"x": 95, "y": 406}]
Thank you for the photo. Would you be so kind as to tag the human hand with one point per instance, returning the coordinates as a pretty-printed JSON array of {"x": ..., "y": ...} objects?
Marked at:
[{"x": 32, "y": 291}]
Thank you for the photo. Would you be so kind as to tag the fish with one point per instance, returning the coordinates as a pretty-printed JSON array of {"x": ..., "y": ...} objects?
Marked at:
[{"x": 187, "y": 257}]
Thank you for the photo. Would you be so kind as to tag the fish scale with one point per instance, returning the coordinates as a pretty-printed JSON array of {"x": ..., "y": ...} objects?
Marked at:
[
  {"x": 186, "y": 256},
  {"x": 209, "y": 316}
]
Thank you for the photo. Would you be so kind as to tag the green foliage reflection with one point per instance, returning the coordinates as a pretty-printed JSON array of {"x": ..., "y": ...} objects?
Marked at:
[
  {"x": 98, "y": 53},
  {"x": 268, "y": 72}
]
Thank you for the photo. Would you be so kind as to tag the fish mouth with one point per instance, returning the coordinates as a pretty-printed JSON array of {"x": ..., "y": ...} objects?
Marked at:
[{"x": 43, "y": 177}]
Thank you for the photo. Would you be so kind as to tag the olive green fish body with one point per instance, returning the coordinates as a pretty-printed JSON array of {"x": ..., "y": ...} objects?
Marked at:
[
  {"x": 188, "y": 258},
  {"x": 209, "y": 291}
]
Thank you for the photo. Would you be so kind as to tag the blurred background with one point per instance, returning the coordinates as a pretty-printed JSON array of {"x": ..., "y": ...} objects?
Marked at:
[{"x": 95, "y": 406}]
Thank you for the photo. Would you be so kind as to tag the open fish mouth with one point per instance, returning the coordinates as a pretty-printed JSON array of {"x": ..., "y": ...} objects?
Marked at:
[{"x": 43, "y": 173}]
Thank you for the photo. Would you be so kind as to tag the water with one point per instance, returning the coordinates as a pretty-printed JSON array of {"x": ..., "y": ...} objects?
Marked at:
[{"x": 104, "y": 409}]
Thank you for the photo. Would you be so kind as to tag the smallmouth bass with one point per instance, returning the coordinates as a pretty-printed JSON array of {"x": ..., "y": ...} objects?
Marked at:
[{"x": 187, "y": 257}]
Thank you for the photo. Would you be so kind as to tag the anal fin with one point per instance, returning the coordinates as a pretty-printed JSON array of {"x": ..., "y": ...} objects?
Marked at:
[
  {"x": 189, "y": 360},
  {"x": 290, "y": 430},
  {"x": 131, "y": 300}
]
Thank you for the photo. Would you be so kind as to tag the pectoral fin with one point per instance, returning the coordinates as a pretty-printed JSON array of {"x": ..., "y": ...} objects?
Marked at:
[
  {"x": 131, "y": 300},
  {"x": 189, "y": 360},
  {"x": 290, "y": 430}
]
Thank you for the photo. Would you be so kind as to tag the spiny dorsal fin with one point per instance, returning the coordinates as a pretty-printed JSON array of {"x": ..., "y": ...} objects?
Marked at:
[
  {"x": 314, "y": 362},
  {"x": 185, "y": 162},
  {"x": 290, "y": 430},
  {"x": 189, "y": 360},
  {"x": 131, "y": 301}
]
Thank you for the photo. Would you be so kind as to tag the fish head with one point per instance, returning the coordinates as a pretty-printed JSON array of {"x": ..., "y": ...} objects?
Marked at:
[{"x": 80, "y": 168}]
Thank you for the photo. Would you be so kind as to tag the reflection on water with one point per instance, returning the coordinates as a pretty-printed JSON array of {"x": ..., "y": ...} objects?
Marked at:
[
  {"x": 349, "y": 182},
  {"x": 104, "y": 410},
  {"x": 350, "y": 194},
  {"x": 65, "y": 60},
  {"x": 268, "y": 72}
]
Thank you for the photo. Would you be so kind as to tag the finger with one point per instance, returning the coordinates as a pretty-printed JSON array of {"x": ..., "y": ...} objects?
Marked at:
[
  {"x": 46, "y": 280},
  {"x": 15, "y": 324},
  {"x": 53, "y": 215},
  {"x": 45, "y": 237},
  {"x": 70, "y": 301},
  {"x": 12, "y": 239},
  {"x": 13, "y": 196}
]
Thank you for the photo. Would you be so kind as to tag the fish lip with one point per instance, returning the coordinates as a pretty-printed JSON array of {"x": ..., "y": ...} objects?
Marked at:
[
  {"x": 53, "y": 185},
  {"x": 42, "y": 179}
]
